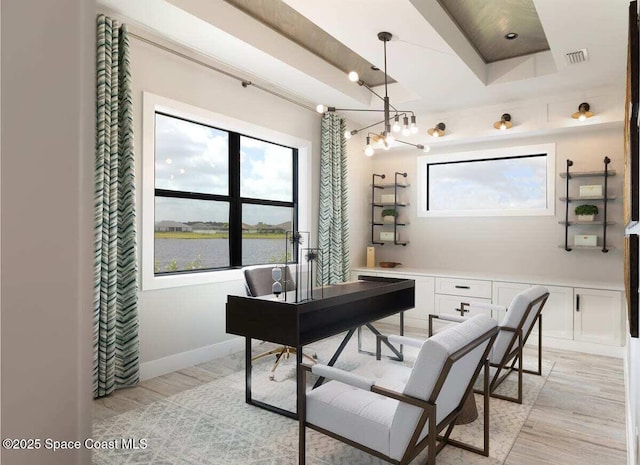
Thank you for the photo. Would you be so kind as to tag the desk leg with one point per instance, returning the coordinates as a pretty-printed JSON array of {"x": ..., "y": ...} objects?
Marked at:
[
  {"x": 247, "y": 369},
  {"x": 333, "y": 360},
  {"x": 300, "y": 390}
]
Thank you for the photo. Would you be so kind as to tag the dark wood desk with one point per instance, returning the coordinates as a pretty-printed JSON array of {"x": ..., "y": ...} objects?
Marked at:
[{"x": 344, "y": 307}]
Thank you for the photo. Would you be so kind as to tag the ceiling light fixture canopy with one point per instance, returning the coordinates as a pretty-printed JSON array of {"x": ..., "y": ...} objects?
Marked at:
[
  {"x": 504, "y": 123},
  {"x": 395, "y": 121},
  {"x": 583, "y": 112},
  {"x": 437, "y": 130}
]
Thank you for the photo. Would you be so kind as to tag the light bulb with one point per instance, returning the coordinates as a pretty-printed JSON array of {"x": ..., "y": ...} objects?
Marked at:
[
  {"x": 582, "y": 117},
  {"x": 503, "y": 126},
  {"x": 385, "y": 146},
  {"x": 414, "y": 126},
  {"x": 426, "y": 148},
  {"x": 436, "y": 133},
  {"x": 368, "y": 150},
  {"x": 406, "y": 131},
  {"x": 320, "y": 108},
  {"x": 396, "y": 124},
  {"x": 353, "y": 76},
  {"x": 347, "y": 134},
  {"x": 389, "y": 138}
]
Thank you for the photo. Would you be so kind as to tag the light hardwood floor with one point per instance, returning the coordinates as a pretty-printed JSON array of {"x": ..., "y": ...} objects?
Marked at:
[{"x": 578, "y": 418}]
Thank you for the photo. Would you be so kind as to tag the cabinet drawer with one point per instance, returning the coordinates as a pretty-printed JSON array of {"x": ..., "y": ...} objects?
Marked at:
[{"x": 464, "y": 287}]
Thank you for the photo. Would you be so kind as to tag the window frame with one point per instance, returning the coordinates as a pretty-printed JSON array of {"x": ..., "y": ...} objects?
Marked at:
[
  {"x": 153, "y": 104},
  {"x": 487, "y": 155}
]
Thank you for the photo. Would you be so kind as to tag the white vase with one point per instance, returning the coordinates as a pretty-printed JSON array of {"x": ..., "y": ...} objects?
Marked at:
[
  {"x": 585, "y": 217},
  {"x": 388, "y": 219}
]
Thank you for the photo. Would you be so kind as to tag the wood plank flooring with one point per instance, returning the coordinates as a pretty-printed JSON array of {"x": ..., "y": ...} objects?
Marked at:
[{"x": 578, "y": 418}]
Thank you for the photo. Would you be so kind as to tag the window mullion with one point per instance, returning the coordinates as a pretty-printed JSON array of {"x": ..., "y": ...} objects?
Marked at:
[{"x": 235, "y": 209}]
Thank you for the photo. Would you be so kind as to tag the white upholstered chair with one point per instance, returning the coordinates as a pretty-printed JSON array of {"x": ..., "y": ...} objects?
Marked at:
[
  {"x": 516, "y": 326},
  {"x": 395, "y": 411}
]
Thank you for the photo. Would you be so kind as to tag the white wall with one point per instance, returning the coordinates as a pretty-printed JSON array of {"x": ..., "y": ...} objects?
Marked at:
[
  {"x": 518, "y": 245},
  {"x": 48, "y": 115},
  {"x": 191, "y": 320}
]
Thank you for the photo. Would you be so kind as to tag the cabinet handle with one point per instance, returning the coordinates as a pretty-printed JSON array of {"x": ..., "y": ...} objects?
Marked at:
[
  {"x": 462, "y": 287},
  {"x": 577, "y": 302}
]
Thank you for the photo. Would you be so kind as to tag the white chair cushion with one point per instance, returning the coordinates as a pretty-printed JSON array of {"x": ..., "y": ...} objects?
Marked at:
[
  {"x": 362, "y": 416},
  {"x": 427, "y": 369},
  {"x": 512, "y": 319}
]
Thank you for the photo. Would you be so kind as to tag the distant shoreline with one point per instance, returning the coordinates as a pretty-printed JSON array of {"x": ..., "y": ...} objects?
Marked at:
[{"x": 198, "y": 235}]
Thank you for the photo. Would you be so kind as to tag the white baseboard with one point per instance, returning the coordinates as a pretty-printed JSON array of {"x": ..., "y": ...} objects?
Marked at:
[
  {"x": 175, "y": 362},
  {"x": 577, "y": 346}
]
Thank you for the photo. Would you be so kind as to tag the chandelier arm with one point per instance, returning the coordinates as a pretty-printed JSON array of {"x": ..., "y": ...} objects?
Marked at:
[{"x": 371, "y": 125}]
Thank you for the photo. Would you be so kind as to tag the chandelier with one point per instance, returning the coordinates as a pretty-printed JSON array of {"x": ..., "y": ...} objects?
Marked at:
[{"x": 401, "y": 121}]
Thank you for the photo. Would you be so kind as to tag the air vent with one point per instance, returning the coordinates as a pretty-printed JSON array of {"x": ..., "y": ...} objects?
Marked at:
[{"x": 579, "y": 56}]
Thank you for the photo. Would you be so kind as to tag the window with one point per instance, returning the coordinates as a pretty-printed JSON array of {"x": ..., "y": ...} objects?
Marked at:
[
  {"x": 216, "y": 199},
  {"x": 501, "y": 182}
]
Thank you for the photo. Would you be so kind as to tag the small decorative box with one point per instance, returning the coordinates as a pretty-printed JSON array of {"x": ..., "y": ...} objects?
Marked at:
[
  {"x": 387, "y": 236},
  {"x": 590, "y": 240},
  {"x": 388, "y": 198},
  {"x": 591, "y": 190}
]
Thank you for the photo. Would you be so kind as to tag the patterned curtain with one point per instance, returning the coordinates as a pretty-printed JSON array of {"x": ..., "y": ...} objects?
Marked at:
[
  {"x": 333, "y": 231},
  {"x": 115, "y": 330}
]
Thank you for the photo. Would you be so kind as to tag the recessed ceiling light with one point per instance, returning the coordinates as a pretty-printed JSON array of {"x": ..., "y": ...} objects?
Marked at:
[{"x": 511, "y": 35}]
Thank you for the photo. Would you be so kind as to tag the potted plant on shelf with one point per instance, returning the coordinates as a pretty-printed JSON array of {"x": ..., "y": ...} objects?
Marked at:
[
  {"x": 389, "y": 215},
  {"x": 586, "y": 212}
]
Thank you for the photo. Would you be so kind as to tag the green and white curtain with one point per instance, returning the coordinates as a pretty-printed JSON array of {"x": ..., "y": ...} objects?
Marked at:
[
  {"x": 115, "y": 330},
  {"x": 333, "y": 233}
]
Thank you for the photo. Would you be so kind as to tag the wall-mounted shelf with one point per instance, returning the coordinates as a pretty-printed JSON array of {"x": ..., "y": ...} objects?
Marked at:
[
  {"x": 396, "y": 185},
  {"x": 590, "y": 199},
  {"x": 605, "y": 198}
]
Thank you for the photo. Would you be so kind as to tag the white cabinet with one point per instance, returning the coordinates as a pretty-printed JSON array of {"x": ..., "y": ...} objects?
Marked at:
[
  {"x": 598, "y": 316},
  {"x": 557, "y": 314}
]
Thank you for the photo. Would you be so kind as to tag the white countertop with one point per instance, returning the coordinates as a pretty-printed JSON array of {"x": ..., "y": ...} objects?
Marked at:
[{"x": 510, "y": 278}]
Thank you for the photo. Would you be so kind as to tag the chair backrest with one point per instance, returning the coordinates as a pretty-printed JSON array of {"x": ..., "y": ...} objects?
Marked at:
[
  {"x": 259, "y": 280},
  {"x": 521, "y": 314},
  {"x": 447, "y": 364}
]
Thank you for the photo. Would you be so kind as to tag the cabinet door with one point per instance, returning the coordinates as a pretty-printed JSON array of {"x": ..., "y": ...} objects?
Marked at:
[
  {"x": 598, "y": 316},
  {"x": 503, "y": 294},
  {"x": 557, "y": 314}
]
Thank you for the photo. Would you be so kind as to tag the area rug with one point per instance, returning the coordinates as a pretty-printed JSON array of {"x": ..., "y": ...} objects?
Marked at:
[{"x": 212, "y": 424}]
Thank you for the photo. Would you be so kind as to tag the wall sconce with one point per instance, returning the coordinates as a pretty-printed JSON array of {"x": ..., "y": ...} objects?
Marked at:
[
  {"x": 583, "y": 112},
  {"x": 437, "y": 131},
  {"x": 504, "y": 123}
]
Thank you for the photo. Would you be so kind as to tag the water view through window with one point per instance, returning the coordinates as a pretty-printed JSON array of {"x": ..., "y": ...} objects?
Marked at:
[{"x": 196, "y": 211}]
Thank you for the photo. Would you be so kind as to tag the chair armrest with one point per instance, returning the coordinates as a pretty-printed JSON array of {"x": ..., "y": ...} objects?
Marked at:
[
  {"x": 345, "y": 377},
  {"x": 407, "y": 341},
  {"x": 454, "y": 318},
  {"x": 482, "y": 306}
]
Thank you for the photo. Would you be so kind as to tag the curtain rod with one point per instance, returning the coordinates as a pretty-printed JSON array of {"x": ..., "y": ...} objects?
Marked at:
[{"x": 245, "y": 82}]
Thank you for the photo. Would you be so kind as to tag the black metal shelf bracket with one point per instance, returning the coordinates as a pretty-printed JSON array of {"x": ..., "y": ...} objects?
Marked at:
[
  {"x": 395, "y": 207},
  {"x": 566, "y": 210},
  {"x": 373, "y": 206},
  {"x": 606, "y": 160}
]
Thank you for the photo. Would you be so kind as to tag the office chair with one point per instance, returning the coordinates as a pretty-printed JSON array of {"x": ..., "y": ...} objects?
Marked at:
[
  {"x": 259, "y": 282},
  {"x": 394, "y": 412},
  {"x": 516, "y": 326}
]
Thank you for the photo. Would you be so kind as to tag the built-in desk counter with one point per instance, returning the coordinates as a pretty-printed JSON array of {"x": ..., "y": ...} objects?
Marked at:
[{"x": 579, "y": 315}]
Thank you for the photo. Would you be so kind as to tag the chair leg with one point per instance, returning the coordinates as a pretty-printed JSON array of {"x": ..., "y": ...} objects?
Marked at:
[{"x": 302, "y": 418}]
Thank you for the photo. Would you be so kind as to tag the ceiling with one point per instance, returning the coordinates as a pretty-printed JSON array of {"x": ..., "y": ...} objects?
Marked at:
[{"x": 438, "y": 67}]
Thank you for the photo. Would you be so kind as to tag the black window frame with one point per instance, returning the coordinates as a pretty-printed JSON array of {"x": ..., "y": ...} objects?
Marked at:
[
  {"x": 473, "y": 160},
  {"x": 233, "y": 198}
]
